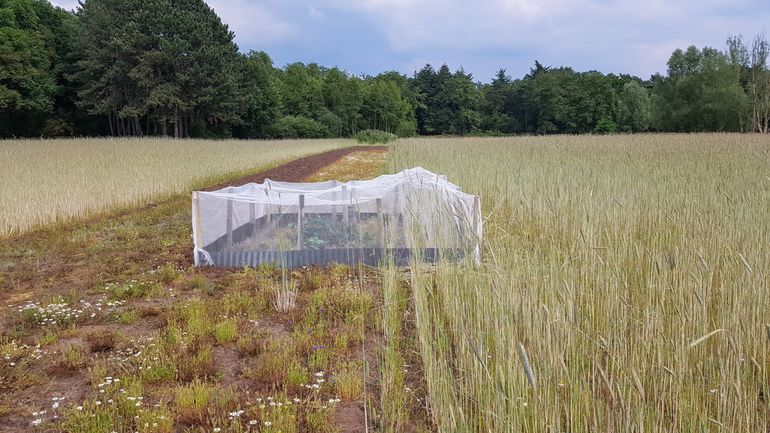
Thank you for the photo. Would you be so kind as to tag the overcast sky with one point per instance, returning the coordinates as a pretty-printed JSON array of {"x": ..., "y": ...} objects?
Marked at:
[{"x": 370, "y": 36}]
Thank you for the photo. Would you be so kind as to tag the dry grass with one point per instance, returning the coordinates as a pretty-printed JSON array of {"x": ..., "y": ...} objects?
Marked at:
[
  {"x": 52, "y": 180},
  {"x": 356, "y": 166},
  {"x": 631, "y": 271}
]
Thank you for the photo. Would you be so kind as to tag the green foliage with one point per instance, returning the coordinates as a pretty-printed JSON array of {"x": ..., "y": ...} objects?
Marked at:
[
  {"x": 33, "y": 37},
  {"x": 373, "y": 136},
  {"x": 142, "y": 79},
  {"x": 448, "y": 103},
  {"x": 225, "y": 331},
  {"x": 605, "y": 125},
  {"x": 262, "y": 91},
  {"x": 196, "y": 402},
  {"x": 299, "y": 127},
  {"x": 384, "y": 107},
  {"x": 320, "y": 420},
  {"x": 296, "y": 377},
  {"x": 635, "y": 109},
  {"x": 270, "y": 365},
  {"x": 349, "y": 382},
  {"x": 160, "y": 67},
  {"x": 73, "y": 357},
  {"x": 701, "y": 93}
]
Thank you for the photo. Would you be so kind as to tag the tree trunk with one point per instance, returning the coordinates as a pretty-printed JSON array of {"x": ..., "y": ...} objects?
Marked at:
[
  {"x": 112, "y": 127},
  {"x": 176, "y": 122}
]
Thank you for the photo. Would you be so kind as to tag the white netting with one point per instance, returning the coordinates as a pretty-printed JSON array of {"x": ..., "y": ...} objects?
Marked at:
[{"x": 415, "y": 213}]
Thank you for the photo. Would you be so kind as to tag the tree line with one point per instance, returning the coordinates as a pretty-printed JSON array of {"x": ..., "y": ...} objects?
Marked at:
[{"x": 171, "y": 68}]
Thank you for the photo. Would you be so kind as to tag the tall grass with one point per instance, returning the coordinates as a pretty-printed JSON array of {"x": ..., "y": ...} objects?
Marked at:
[
  {"x": 631, "y": 272},
  {"x": 50, "y": 180}
]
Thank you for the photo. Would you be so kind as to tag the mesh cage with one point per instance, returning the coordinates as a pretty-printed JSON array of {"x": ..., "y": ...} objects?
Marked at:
[{"x": 412, "y": 215}]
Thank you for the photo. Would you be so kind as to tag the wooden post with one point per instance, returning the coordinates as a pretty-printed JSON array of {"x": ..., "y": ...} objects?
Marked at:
[
  {"x": 300, "y": 221},
  {"x": 345, "y": 213},
  {"x": 356, "y": 209},
  {"x": 230, "y": 205},
  {"x": 253, "y": 218},
  {"x": 336, "y": 196},
  {"x": 396, "y": 216},
  {"x": 380, "y": 224},
  {"x": 269, "y": 205}
]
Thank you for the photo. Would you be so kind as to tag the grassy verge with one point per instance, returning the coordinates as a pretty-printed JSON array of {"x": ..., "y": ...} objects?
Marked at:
[{"x": 106, "y": 327}]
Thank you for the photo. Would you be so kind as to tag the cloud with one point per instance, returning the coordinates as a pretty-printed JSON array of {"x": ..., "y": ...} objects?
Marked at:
[
  {"x": 66, "y": 4},
  {"x": 314, "y": 12},
  {"x": 252, "y": 22},
  {"x": 366, "y": 36},
  {"x": 418, "y": 24}
]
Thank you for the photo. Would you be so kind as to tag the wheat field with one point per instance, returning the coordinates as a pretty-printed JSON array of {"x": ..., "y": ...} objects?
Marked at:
[
  {"x": 55, "y": 180},
  {"x": 625, "y": 285}
]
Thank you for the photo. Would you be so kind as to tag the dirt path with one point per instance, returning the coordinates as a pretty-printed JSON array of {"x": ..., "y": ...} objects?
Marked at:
[{"x": 299, "y": 169}]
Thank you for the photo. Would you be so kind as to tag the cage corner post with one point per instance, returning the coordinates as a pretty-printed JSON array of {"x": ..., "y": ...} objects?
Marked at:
[
  {"x": 197, "y": 226},
  {"x": 230, "y": 206},
  {"x": 380, "y": 224},
  {"x": 346, "y": 211},
  {"x": 477, "y": 222}
]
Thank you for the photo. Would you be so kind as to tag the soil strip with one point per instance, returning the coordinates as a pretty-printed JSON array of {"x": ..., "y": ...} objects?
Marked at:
[{"x": 299, "y": 169}]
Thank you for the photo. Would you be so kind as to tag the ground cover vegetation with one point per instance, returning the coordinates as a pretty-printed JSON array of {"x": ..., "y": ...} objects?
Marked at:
[
  {"x": 106, "y": 326},
  {"x": 161, "y": 67},
  {"x": 624, "y": 285}
]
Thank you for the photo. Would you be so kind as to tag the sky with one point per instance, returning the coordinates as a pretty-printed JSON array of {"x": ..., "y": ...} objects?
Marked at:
[{"x": 482, "y": 36}]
